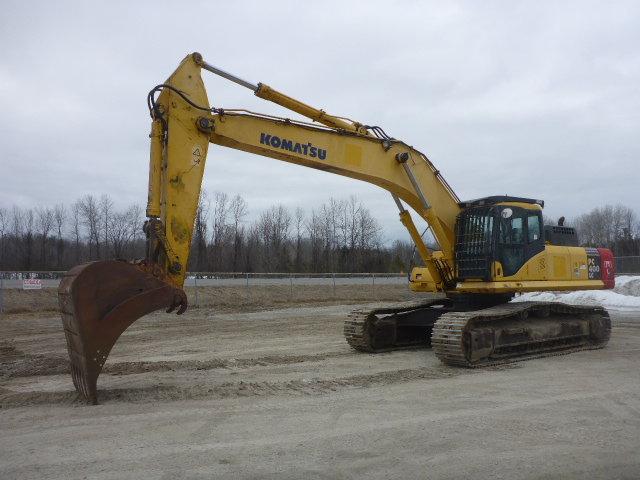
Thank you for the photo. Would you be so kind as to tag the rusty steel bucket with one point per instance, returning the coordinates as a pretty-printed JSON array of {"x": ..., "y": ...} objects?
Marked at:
[{"x": 98, "y": 302}]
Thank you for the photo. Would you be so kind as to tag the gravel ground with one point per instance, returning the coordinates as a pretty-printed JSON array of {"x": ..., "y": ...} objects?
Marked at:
[{"x": 278, "y": 394}]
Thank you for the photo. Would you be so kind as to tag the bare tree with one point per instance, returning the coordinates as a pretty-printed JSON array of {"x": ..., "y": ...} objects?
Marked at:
[
  {"x": 105, "y": 211},
  {"x": 252, "y": 250},
  {"x": 402, "y": 255},
  {"x": 123, "y": 227},
  {"x": 315, "y": 230},
  {"x": 44, "y": 221},
  {"x": 238, "y": 209},
  {"x": 4, "y": 225},
  {"x": 90, "y": 217},
  {"x": 604, "y": 226},
  {"x": 349, "y": 232},
  {"x": 60, "y": 216},
  {"x": 200, "y": 231},
  {"x": 369, "y": 230},
  {"x": 281, "y": 225},
  {"x": 23, "y": 230},
  {"x": 628, "y": 222},
  {"x": 298, "y": 222},
  {"x": 329, "y": 221},
  {"x": 76, "y": 218},
  {"x": 218, "y": 228},
  {"x": 273, "y": 227},
  {"x": 16, "y": 234},
  {"x": 135, "y": 216}
]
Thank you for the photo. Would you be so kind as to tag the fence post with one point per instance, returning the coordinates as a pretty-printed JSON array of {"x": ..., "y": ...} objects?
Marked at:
[
  {"x": 1, "y": 293},
  {"x": 247, "y": 277},
  {"x": 195, "y": 287},
  {"x": 333, "y": 275},
  {"x": 290, "y": 287},
  {"x": 373, "y": 284}
]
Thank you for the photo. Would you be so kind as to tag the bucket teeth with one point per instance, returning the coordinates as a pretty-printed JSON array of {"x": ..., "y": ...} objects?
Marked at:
[{"x": 98, "y": 302}]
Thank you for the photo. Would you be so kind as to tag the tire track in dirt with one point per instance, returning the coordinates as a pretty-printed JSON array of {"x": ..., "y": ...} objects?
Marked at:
[
  {"x": 241, "y": 389},
  {"x": 126, "y": 368},
  {"x": 18, "y": 364}
]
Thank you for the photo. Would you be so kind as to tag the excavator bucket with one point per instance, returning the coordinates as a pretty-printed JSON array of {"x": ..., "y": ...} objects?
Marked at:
[{"x": 98, "y": 301}]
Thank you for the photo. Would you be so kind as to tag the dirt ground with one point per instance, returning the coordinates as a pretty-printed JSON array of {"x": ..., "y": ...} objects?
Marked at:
[{"x": 245, "y": 392}]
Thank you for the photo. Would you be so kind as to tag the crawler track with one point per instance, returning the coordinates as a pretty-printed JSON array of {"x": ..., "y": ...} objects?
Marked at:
[
  {"x": 518, "y": 331},
  {"x": 393, "y": 326}
]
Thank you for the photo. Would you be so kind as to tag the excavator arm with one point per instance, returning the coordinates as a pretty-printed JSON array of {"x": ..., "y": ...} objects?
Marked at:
[
  {"x": 100, "y": 300},
  {"x": 184, "y": 124}
]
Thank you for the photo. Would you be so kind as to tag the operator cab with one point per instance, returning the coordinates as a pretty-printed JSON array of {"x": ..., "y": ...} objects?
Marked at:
[{"x": 501, "y": 229}]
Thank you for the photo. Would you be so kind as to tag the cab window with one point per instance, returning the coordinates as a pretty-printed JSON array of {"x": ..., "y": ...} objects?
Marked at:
[
  {"x": 534, "y": 230},
  {"x": 511, "y": 230}
]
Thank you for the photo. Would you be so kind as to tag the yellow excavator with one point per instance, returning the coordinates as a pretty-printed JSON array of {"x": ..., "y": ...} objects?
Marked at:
[{"x": 488, "y": 249}]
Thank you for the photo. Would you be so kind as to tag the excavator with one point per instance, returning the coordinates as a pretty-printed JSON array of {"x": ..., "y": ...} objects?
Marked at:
[{"x": 488, "y": 249}]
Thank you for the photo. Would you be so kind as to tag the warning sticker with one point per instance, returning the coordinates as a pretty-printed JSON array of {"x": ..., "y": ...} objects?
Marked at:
[{"x": 197, "y": 154}]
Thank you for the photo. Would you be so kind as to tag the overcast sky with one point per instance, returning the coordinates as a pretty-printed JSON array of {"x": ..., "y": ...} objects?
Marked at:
[{"x": 538, "y": 99}]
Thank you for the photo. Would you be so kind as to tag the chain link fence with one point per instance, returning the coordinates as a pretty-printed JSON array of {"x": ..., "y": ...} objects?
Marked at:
[
  {"x": 195, "y": 281},
  {"x": 26, "y": 280},
  {"x": 51, "y": 279},
  {"x": 628, "y": 265}
]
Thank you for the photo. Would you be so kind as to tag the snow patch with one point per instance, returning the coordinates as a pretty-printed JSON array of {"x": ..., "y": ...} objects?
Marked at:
[
  {"x": 625, "y": 296},
  {"x": 628, "y": 285}
]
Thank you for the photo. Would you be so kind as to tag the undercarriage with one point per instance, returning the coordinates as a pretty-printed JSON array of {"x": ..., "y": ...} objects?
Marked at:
[{"x": 478, "y": 333}]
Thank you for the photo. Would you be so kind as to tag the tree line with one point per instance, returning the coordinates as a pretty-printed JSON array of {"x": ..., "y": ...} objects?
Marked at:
[
  {"x": 615, "y": 227},
  {"x": 58, "y": 237},
  {"x": 340, "y": 235}
]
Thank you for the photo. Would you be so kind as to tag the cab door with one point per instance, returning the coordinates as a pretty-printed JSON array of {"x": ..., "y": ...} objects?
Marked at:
[
  {"x": 510, "y": 244},
  {"x": 535, "y": 237},
  {"x": 519, "y": 238}
]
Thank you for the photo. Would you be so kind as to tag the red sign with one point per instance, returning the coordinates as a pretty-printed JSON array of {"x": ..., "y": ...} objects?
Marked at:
[{"x": 31, "y": 284}]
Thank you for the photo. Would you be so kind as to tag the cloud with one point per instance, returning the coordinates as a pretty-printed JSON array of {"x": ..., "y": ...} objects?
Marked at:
[{"x": 533, "y": 99}]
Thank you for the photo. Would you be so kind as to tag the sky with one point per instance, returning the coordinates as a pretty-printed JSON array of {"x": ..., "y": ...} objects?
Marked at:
[{"x": 536, "y": 99}]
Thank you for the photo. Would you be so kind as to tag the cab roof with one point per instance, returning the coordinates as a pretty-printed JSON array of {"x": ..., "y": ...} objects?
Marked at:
[{"x": 494, "y": 199}]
